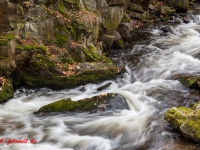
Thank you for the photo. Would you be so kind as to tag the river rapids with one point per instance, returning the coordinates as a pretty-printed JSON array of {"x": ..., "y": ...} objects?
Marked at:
[{"x": 147, "y": 85}]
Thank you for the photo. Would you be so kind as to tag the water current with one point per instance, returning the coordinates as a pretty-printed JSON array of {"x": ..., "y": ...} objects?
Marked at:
[{"x": 147, "y": 85}]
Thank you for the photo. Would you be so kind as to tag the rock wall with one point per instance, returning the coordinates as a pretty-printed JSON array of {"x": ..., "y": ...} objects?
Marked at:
[{"x": 52, "y": 43}]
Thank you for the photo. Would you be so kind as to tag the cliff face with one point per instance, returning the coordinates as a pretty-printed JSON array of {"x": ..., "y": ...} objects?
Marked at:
[
  {"x": 57, "y": 44},
  {"x": 63, "y": 43}
]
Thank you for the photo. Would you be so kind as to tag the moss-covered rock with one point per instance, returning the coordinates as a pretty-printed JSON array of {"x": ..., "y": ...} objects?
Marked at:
[
  {"x": 186, "y": 120},
  {"x": 6, "y": 89},
  {"x": 179, "y": 4},
  {"x": 94, "y": 104},
  {"x": 81, "y": 74},
  {"x": 189, "y": 81}
]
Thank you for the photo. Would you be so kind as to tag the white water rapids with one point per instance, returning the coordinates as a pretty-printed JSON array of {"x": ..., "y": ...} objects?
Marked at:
[{"x": 146, "y": 86}]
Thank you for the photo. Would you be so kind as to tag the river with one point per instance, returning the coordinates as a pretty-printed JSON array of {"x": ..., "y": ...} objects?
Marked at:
[{"x": 147, "y": 85}]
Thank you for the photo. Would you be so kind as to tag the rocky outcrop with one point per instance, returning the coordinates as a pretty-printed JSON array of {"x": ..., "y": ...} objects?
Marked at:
[
  {"x": 186, "y": 120},
  {"x": 95, "y": 104},
  {"x": 43, "y": 38},
  {"x": 40, "y": 41}
]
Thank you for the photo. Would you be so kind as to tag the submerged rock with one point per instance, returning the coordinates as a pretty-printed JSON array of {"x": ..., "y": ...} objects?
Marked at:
[
  {"x": 95, "y": 104},
  {"x": 104, "y": 86},
  {"x": 186, "y": 120}
]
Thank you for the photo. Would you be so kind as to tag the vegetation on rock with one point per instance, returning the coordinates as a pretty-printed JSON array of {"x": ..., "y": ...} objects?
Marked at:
[
  {"x": 186, "y": 120},
  {"x": 94, "y": 104}
]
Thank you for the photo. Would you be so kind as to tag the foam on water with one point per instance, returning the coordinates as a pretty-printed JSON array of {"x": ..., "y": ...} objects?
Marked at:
[{"x": 130, "y": 129}]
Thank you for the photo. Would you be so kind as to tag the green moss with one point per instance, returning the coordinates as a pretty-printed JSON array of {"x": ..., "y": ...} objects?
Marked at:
[
  {"x": 84, "y": 105},
  {"x": 105, "y": 59},
  {"x": 147, "y": 18},
  {"x": 7, "y": 91},
  {"x": 61, "y": 39},
  {"x": 3, "y": 57},
  {"x": 189, "y": 81},
  {"x": 120, "y": 42},
  {"x": 43, "y": 48},
  {"x": 26, "y": 47},
  {"x": 60, "y": 81},
  {"x": 176, "y": 117},
  {"x": 187, "y": 120},
  {"x": 61, "y": 8},
  {"x": 4, "y": 39},
  {"x": 66, "y": 60},
  {"x": 90, "y": 53},
  {"x": 126, "y": 18}
]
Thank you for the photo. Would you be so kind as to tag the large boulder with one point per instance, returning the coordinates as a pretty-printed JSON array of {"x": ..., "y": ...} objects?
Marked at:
[
  {"x": 186, "y": 120},
  {"x": 67, "y": 76},
  {"x": 95, "y": 104}
]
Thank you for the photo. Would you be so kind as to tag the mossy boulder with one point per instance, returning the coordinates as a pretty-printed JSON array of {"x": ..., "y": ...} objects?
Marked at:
[
  {"x": 98, "y": 103},
  {"x": 81, "y": 74},
  {"x": 190, "y": 81},
  {"x": 6, "y": 89},
  {"x": 186, "y": 120}
]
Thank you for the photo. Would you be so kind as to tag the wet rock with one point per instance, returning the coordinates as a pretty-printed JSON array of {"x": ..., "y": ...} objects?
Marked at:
[
  {"x": 190, "y": 81},
  {"x": 167, "y": 29},
  {"x": 82, "y": 89},
  {"x": 124, "y": 30},
  {"x": 95, "y": 104},
  {"x": 186, "y": 19},
  {"x": 104, "y": 86},
  {"x": 185, "y": 120}
]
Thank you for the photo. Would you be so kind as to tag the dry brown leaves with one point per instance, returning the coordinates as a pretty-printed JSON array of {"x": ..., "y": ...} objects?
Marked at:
[
  {"x": 71, "y": 69},
  {"x": 2, "y": 81}
]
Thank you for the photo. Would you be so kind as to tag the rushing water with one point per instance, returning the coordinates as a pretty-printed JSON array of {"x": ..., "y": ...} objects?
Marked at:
[{"x": 146, "y": 85}]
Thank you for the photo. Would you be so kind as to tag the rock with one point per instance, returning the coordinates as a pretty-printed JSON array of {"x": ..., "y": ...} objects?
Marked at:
[
  {"x": 89, "y": 4},
  {"x": 167, "y": 29},
  {"x": 77, "y": 53},
  {"x": 113, "y": 18},
  {"x": 186, "y": 120},
  {"x": 59, "y": 44},
  {"x": 9, "y": 14},
  {"x": 82, "y": 89},
  {"x": 135, "y": 8},
  {"x": 6, "y": 89},
  {"x": 80, "y": 74},
  {"x": 190, "y": 81},
  {"x": 179, "y": 4},
  {"x": 186, "y": 19},
  {"x": 124, "y": 30},
  {"x": 104, "y": 86},
  {"x": 95, "y": 104},
  {"x": 116, "y": 2},
  {"x": 107, "y": 40},
  {"x": 118, "y": 41}
]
